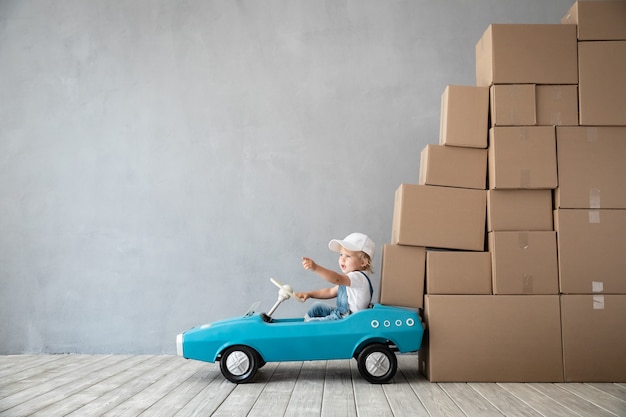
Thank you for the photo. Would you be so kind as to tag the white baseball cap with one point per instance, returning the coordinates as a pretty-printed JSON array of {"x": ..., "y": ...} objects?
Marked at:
[{"x": 355, "y": 242}]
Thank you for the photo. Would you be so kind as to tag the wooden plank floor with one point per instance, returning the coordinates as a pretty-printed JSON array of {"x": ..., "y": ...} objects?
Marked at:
[{"x": 118, "y": 385}]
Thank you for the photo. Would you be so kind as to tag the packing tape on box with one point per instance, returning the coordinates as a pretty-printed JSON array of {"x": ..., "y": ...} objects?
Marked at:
[
  {"x": 524, "y": 178},
  {"x": 523, "y": 132},
  {"x": 594, "y": 216},
  {"x": 568, "y": 18},
  {"x": 558, "y": 93},
  {"x": 513, "y": 117},
  {"x": 556, "y": 119},
  {"x": 527, "y": 284},
  {"x": 524, "y": 174},
  {"x": 597, "y": 286},
  {"x": 594, "y": 198},
  {"x": 522, "y": 240},
  {"x": 592, "y": 134},
  {"x": 598, "y": 302},
  {"x": 515, "y": 92}
]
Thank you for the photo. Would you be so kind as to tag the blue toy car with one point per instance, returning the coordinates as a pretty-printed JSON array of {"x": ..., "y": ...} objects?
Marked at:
[{"x": 242, "y": 345}]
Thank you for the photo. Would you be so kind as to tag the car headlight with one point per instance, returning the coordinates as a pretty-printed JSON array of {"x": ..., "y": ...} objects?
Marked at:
[{"x": 179, "y": 344}]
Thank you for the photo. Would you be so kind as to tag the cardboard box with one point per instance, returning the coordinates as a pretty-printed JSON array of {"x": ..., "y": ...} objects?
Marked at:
[
  {"x": 464, "y": 116},
  {"x": 598, "y": 20},
  {"x": 594, "y": 340},
  {"x": 530, "y": 105},
  {"x": 522, "y": 158},
  {"x": 402, "y": 276},
  {"x": 592, "y": 168},
  {"x": 557, "y": 105},
  {"x": 519, "y": 210},
  {"x": 439, "y": 217},
  {"x": 458, "y": 272},
  {"x": 601, "y": 89},
  {"x": 524, "y": 262},
  {"x": 591, "y": 251},
  {"x": 453, "y": 166},
  {"x": 492, "y": 338},
  {"x": 527, "y": 54},
  {"x": 513, "y": 105}
]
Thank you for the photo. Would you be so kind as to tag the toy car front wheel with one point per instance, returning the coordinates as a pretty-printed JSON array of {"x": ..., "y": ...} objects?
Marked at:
[
  {"x": 377, "y": 363},
  {"x": 239, "y": 364}
]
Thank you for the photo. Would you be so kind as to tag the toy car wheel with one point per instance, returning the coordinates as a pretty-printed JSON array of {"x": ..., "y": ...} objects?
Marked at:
[
  {"x": 239, "y": 364},
  {"x": 377, "y": 363},
  {"x": 261, "y": 362}
]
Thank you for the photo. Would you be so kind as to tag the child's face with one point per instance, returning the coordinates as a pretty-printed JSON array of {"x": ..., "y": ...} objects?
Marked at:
[{"x": 350, "y": 261}]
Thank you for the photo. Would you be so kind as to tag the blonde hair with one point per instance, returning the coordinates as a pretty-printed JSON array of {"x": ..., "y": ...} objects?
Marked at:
[{"x": 365, "y": 257}]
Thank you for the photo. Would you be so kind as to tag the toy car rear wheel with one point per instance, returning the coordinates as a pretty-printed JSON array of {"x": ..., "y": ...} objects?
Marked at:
[
  {"x": 377, "y": 363},
  {"x": 239, "y": 364}
]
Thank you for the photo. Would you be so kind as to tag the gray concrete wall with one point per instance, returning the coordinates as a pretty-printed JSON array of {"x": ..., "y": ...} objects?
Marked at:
[{"x": 161, "y": 160}]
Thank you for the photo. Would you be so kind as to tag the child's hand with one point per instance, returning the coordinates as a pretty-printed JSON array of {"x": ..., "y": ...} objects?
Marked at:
[
  {"x": 302, "y": 295},
  {"x": 309, "y": 264}
]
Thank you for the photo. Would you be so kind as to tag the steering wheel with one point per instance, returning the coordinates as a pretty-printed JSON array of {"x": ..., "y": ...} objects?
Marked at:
[{"x": 287, "y": 289}]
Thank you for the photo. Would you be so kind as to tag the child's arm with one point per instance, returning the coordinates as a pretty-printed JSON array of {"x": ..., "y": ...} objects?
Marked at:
[
  {"x": 321, "y": 294},
  {"x": 330, "y": 276}
]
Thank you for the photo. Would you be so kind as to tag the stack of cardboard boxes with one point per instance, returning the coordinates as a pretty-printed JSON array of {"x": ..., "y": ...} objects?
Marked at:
[
  {"x": 516, "y": 230},
  {"x": 590, "y": 201}
]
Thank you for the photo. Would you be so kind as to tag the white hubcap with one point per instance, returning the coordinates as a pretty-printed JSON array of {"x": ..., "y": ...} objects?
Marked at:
[
  {"x": 237, "y": 363},
  {"x": 377, "y": 364}
]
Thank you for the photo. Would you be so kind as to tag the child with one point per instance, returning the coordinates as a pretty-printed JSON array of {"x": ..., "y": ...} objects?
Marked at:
[{"x": 352, "y": 288}]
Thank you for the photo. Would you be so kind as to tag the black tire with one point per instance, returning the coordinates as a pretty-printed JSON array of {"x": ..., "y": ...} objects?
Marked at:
[
  {"x": 261, "y": 362},
  {"x": 377, "y": 363},
  {"x": 239, "y": 364}
]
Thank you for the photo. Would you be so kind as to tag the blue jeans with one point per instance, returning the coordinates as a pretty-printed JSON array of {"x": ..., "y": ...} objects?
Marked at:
[{"x": 322, "y": 311}]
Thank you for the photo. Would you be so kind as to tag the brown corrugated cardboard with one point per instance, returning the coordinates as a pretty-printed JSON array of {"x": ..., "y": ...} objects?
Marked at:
[
  {"x": 530, "y": 105},
  {"x": 598, "y": 20},
  {"x": 453, "y": 166},
  {"x": 594, "y": 340},
  {"x": 489, "y": 338},
  {"x": 402, "y": 276},
  {"x": 458, "y": 272},
  {"x": 464, "y": 116},
  {"x": 592, "y": 168},
  {"x": 557, "y": 105},
  {"x": 591, "y": 250},
  {"x": 440, "y": 217},
  {"x": 527, "y": 54},
  {"x": 519, "y": 210},
  {"x": 524, "y": 262},
  {"x": 513, "y": 105},
  {"x": 522, "y": 158},
  {"x": 601, "y": 89}
]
